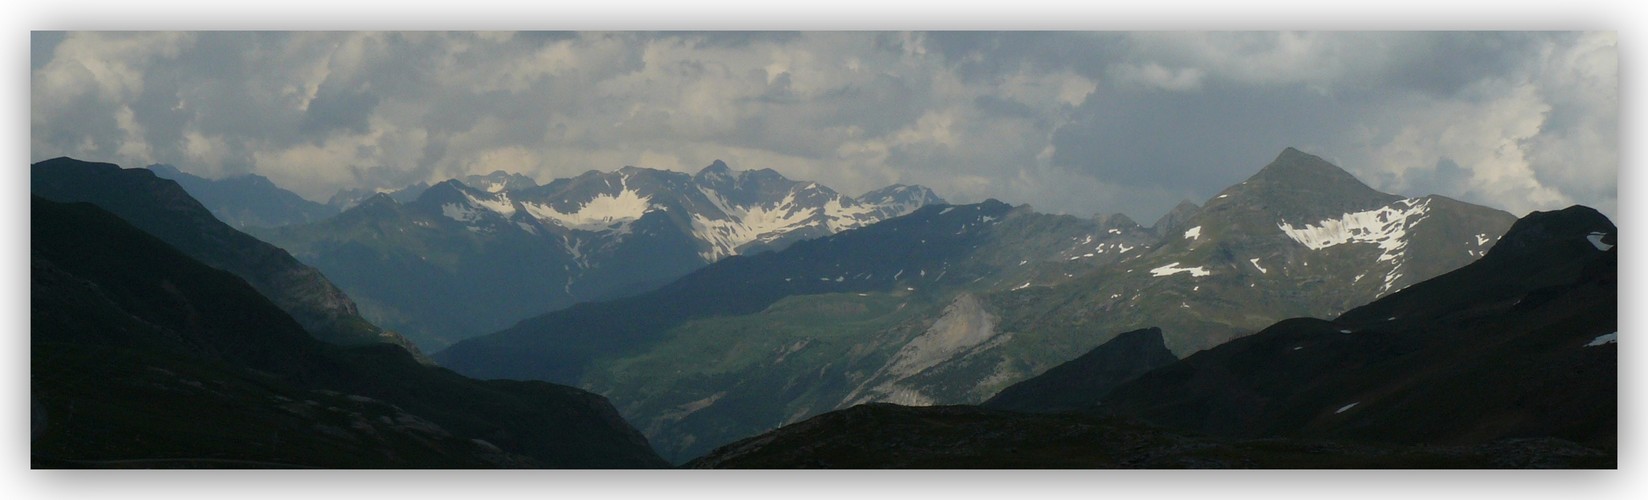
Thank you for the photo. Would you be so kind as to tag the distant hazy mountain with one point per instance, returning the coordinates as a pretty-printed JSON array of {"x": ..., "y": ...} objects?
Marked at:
[
  {"x": 162, "y": 208},
  {"x": 951, "y": 304},
  {"x": 474, "y": 256},
  {"x": 1510, "y": 361},
  {"x": 142, "y": 357},
  {"x": 348, "y": 198},
  {"x": 247, "y": 200}
]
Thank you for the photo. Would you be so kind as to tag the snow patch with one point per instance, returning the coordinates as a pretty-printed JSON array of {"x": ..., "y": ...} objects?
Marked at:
[
  {"x": 1173, "y": 268},
  {"x": 598, "y": 214},
  {"x": 745, "y": 225},
  {"x": 1385, "y": 226},
  {"x": 1610, "y": 338},
  {"x": 1346, "y": 407},
  {"x": 460, "y": 213},
  {"x": 499, "y": 203},
  {"x": 1193, "y": 233},
  {"x": 1255, "y": 262},
  {"x": 1596, "y": 241}
]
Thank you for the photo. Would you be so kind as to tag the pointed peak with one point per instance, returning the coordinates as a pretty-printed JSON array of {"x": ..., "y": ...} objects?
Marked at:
[
  {"x": 1302, "y": 187},
  {"x": 1295, "y": 167},
  {"x": 442, "y": 190},
  {"x": 1176, "y": 217},
  {"x": 1114, "y": 221},
  {"x": 715, "y": 172},
  {"x": 379, "y": 198}
]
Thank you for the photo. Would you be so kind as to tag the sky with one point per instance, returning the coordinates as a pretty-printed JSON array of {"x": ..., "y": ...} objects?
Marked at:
[{"x": 1069, "y": 122}]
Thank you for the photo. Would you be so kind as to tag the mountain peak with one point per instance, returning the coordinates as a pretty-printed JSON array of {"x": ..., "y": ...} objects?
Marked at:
[
  {"x": 1300, "y": 170},
  {"x": 1176, "y": 217},
  {"x": 1298, "y": 166},
  {"x": 716, "y": 173},
  {"x": 1304, "y": 187},
  {"x": 1114, "y": 221}
]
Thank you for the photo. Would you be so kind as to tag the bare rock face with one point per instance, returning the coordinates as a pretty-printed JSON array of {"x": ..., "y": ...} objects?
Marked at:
[{"x": 964, "y": 325}]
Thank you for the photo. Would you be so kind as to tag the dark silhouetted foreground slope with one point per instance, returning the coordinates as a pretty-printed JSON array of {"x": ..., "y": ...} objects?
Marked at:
[{"x": 142, "y": 356}]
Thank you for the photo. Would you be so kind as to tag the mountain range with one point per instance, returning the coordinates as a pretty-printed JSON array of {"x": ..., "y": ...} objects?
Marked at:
[
  {"x": 1510, "y": 361},
  {"x": 1296, "y": 319},
  {"x": 952, "y": 304},
  {"x": 470, "y": 256}
]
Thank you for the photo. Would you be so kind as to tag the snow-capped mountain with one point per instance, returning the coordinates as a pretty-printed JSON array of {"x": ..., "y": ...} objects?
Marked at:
[
  {"x": 950, "y": 304},
  {"x": 596, "y": 235}
]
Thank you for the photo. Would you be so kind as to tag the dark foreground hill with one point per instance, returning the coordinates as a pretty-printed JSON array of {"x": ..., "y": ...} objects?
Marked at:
[
  {"x": 883, "y": 436},
  {"x": 162, "y": 208},
  {"x": 143, "y": 357}
]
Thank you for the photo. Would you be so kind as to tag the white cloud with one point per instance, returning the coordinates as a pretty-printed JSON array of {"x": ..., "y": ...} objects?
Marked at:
[{"x": 1531, "y": 119}]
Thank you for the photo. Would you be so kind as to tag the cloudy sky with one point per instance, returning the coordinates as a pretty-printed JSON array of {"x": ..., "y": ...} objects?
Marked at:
[{"x": 1069, "y": 122}]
